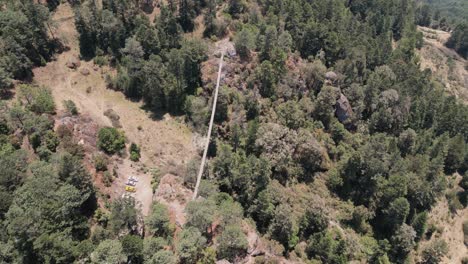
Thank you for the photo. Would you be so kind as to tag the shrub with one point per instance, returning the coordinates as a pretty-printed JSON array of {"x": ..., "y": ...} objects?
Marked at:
[
  {"x": 133, "y": 247},
  {"x": 51, "y": 140},
  {"x": 107, "y": 179},
  {"x": 327, "y": 247},
  {"x": 190, "y": 246},
  {"x": 44, "y": 153},
  {"x": 156, "y": 178},
  {"x": 64, "y": 132},
  {"x": 35, "y": 140},
  {"x": 190, "y": 176},
  {"x": 73, "y": 148},
  {"x": 37, "y": 99},
  {"x": 434, "y": 252},
  {"x": 244, "y": 42},
  {"x": 110, "y": 140},
  {"x": 313, "y": 221},
  {"x": 232, "y": 243},
  {"x": 163, "y": 256},
  {"x": 101, "y": 60},
  {"x": 100, "y": 162},
  {"x": 420, "y": 225},
  {"x": 101, "y": 216},
  {"x": 70, "y": 106},
  {"x": 158, "y": 222},
  {"x": 134, "y": 152}
]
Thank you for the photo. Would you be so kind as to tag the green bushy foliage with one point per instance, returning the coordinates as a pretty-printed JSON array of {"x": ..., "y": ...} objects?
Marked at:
[
  {"x": 110, "y": 140},
  {"x": 134, "y": 152},
  {"x": 70, "y": 106}
]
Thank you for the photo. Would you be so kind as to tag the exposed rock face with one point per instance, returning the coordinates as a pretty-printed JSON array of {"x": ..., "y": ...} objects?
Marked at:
[
  {"x": 73, "y": 63},
  {"x": 343, "y": 108},
  {"x": 83, "y": 128}
]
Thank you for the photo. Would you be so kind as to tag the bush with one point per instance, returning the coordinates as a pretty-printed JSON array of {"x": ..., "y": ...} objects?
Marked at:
[
  {"x": 133, "y": 247},
  {"x": 232, "y": 243},
  {"x": 51, "y": 140},
  {"x": 134, "y": 152},
  {"x": 420, "y": 225},
  {"x": 73, "y": 148},
  {"x": 107, "y": 179},
  {"x": 101, "y": 216},
  {"x": 190, "y": 176},
  {"x": 64, "y": 132},
  {"x": 244, "y": 42},
  {"x": 158, "y": 222},
  {"x": 434, "y": 252},
  {"x": 37, "y": 99},
  {"x": 110, "y": 140},
  {"x": 134, "y": 156},
  {"x": 100, "y": 162},
  {"x": 70, "y": 106},
  {"x": 101, "y": 60},
  {"x": 190, "y": 246},
  {"x": 163, "y": 256},
  {"x": 44, "y": 153},
  {"x": 327, "y": 247},
  {"x": 313, "y": 221},
  {"x": 156, "y": 178}
]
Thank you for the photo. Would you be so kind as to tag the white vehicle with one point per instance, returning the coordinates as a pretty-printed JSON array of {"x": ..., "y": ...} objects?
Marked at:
[
  {"x": 132, "y": 178},
  {"x": 130, "y": 183}
]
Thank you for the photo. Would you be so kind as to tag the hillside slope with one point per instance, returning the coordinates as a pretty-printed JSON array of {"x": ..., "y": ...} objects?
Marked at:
[{"x": 447, "y": 66}]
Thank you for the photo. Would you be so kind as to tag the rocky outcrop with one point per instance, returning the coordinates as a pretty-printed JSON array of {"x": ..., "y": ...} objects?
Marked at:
[
  {"x": 73, "y": 63},
  {"x": 343, "y": 109}
]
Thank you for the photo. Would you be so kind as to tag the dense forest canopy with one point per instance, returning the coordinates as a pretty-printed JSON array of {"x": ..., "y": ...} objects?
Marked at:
[
  {"x": 454, "y": 11},
  {"x": 330, "y": 141}
]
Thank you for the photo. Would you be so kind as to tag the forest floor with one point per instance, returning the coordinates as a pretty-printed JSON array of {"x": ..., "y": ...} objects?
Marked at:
[
  {"x": 166, "y": 143},
  {"x": 446, "y": 65}
]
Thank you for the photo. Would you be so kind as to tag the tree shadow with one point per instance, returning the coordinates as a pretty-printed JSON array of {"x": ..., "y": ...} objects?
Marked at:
[
  {"x": 147, "y": 8},
  {"x": 7, "y": 94},
  {"x": 154, "y": 113},
  {"x": 59, "y": 47},
  {"x": 157, "y": 114}
]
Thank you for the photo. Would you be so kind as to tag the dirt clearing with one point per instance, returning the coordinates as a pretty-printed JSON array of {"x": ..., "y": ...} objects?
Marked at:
[
  {"x": 446, "y": 65},
  {"x": 166, "y": 144}
]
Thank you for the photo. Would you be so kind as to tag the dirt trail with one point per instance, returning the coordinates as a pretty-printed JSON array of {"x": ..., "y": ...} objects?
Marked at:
[
  {"x": 445, "y": 63},
  {"x": 165, "y": 144}
]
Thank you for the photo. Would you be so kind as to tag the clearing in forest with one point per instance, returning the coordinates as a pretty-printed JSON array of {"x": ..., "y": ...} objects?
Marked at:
[
  {"x": 446, "y": 65},
  {"x": 165, "y": 144}
]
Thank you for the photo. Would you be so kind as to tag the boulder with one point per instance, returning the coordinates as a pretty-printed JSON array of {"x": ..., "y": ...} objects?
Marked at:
[
  {"x": 84, "y": 71},
  {"x": 73, "y": 63},
  {"x": 343, "y": 108}
]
